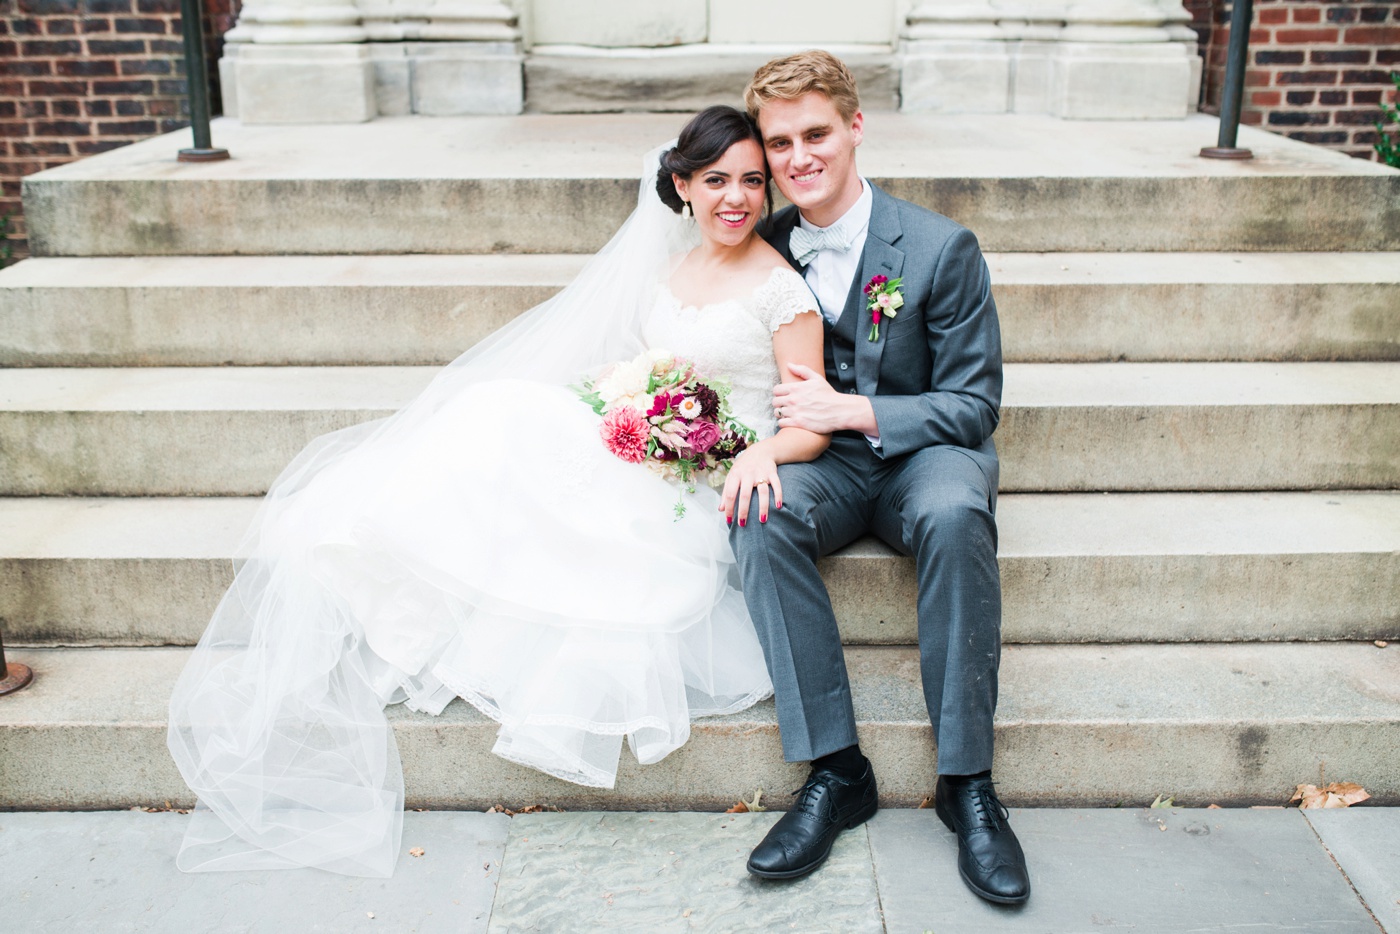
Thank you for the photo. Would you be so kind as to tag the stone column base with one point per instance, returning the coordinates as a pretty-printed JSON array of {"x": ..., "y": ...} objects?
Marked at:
[
  {"x": 444, "y": 79},
  {"x": 352, "y": 83},
  {"x": 956, "y": 77},
  {"x": 1121, "y": 81},
  {"x": 298, "y": 83},
  {"x": 1074, "y": 80}
]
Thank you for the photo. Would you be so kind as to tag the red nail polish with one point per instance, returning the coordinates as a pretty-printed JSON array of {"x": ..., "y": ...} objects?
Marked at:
[
  {"x": 741, "y": 521},
  {"x": 729, "y": 519},
  {"x": 762, "y": 518}
]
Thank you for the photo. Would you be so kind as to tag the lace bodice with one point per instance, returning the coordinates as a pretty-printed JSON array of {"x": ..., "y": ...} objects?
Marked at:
[{"x": 733, "y": 340}]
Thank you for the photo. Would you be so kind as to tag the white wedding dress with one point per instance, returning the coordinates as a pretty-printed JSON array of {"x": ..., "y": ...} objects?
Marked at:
[{"x": 480, "y": 544}]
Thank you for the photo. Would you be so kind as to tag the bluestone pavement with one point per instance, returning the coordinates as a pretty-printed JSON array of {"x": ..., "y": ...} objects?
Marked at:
[{"x": 1148, "y": 870}]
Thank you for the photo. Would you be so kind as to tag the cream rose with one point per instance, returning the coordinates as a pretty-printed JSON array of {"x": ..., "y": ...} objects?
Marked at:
[{"x": 624, "y": 379}]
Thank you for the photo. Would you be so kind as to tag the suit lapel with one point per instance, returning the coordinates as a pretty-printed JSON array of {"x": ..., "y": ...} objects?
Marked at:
[{"x": 880, "y": 258}]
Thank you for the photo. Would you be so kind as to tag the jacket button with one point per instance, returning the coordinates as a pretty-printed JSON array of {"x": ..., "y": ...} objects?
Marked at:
[{"x": 844, "y": 367}]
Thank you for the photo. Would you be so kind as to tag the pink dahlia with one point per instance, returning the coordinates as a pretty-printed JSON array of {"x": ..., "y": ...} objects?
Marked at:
[{"x": 625, "y": 433}]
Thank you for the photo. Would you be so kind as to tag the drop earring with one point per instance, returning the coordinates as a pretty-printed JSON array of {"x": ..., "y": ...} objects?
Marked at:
[{"x": 685, "y": 211}]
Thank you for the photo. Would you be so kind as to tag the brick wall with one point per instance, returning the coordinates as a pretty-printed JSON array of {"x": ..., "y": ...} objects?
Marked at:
[
  {"x": 83, "y": 76},
  {"x": 1317, "y": 70}
]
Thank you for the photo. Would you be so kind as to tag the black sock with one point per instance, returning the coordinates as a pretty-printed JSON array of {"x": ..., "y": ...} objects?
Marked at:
[
  {"x": 961, "y": 779},
  {"x": 848, "y": 762}
]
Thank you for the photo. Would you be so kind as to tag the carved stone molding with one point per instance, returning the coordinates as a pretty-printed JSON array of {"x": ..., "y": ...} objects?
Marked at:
[
  {"x": 439, "y": 20},
  {"x": 298, "y": 22}
]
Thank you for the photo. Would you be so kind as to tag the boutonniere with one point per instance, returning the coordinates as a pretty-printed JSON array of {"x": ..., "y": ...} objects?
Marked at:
[{"x": 883, "y": 299}]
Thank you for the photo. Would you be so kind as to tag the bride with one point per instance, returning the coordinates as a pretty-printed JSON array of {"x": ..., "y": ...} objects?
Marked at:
[{"x": 483, "y": 543}]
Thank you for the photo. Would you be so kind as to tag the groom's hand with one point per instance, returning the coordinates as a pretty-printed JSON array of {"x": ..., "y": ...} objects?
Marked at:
[{"x": 811, "y": 403}]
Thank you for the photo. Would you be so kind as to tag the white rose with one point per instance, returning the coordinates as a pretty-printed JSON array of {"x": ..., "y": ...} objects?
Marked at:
[
  {"x": 659, "y": 360},
  {"x": 624, "y": 379}
]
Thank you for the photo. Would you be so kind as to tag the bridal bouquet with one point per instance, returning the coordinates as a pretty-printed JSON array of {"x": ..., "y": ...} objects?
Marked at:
[{"x": 659, "y": 412}]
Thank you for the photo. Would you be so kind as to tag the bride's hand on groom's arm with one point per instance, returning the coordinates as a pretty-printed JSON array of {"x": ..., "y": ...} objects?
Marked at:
[{"x": 810, "y": 402}]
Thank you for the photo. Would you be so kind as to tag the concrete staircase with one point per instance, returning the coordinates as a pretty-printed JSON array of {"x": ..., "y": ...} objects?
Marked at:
[{"x": 1200, "y": 518}]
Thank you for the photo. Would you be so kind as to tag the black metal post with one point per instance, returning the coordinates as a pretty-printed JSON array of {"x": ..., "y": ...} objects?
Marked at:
[
  {"x": 197, "y": 85},
  {"x": 1241, "y": 21},
  {"x": 12, "y": 676}
]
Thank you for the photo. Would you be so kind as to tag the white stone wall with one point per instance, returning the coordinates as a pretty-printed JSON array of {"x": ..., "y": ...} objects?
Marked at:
[
  {"x": 660, "y": 23},
  {"x": 340, "y": 60}
]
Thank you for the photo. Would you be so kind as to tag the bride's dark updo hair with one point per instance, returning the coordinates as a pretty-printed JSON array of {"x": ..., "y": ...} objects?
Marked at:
[{"x": 705, "y": 139}]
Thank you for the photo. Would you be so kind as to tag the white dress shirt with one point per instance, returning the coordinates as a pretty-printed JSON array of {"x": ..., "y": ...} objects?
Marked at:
[{"x": 830, "y": 272}]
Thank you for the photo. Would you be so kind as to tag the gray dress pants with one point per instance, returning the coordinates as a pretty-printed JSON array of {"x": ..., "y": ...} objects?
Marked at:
[{"x": 936, "y": 504}]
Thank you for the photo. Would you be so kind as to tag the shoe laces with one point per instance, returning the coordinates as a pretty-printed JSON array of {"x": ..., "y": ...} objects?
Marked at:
[
  {"x": 988, "y": 806},
  {"x": 810, "y": 790}
]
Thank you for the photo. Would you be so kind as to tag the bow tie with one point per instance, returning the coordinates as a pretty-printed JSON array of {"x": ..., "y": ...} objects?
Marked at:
[{"x": 806, "y": 244}]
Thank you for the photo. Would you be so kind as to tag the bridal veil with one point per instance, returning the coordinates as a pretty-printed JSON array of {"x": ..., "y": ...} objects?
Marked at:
[{"x": 277, "y": 722}]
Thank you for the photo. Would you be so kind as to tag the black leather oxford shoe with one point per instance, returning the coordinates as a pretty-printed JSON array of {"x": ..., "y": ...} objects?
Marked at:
[
  {"x": 989, "y": 855},
  {"x": 802, "y": 838}
]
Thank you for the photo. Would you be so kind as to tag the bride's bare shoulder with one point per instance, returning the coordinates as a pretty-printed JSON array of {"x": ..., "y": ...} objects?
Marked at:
[{"x": 765, "y": 255}]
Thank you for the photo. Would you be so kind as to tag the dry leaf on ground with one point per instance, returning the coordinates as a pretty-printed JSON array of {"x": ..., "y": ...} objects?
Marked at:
[
  {"x": 926, "y": 803},
  {"x": 744, "y": 807},
  {"x": 1214, "y": 807},
  {"x": 1335, "y": 795},
  {"x": 528, "y": 809},
  {"x": 417, "y": 851},
  {"x": 1159, "y": 802}
]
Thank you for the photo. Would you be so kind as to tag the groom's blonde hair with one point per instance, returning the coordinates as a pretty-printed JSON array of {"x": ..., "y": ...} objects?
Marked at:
[{"x": 787, "y": 79}]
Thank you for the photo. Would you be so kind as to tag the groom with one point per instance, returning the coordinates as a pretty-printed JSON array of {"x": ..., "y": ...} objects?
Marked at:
[{"x": 911, "y": 407}]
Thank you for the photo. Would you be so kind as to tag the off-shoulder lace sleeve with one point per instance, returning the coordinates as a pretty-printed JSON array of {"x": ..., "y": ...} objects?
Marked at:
[{"x": 783, "y": 297}]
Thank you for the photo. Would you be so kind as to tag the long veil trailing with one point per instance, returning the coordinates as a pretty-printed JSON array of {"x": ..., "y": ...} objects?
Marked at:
[{"x": 277, "y": 722}]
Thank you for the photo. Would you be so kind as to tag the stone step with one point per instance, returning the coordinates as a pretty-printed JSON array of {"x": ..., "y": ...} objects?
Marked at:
[
  {"x": 424, "y": 309},
  {"x": 1065, "y": 427},
  {"x": 1076, "y": 567},
  {"x": 563, "y": 184},
  {"x": 1077, "y": 725}
]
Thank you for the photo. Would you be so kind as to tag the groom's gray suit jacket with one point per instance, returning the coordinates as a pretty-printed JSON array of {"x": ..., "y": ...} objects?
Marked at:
[{"x": 934, "y": 374}]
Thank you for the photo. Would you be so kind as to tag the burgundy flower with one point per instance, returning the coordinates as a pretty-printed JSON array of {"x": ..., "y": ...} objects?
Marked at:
[
  {"x": 875, "y": 282},
  {"x": 731, "y": 445},
  {"x": 709, "y": 401}
]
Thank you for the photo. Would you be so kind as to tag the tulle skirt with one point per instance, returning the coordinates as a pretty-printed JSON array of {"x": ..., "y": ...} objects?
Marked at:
[{"x": 495, "y": 552}]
